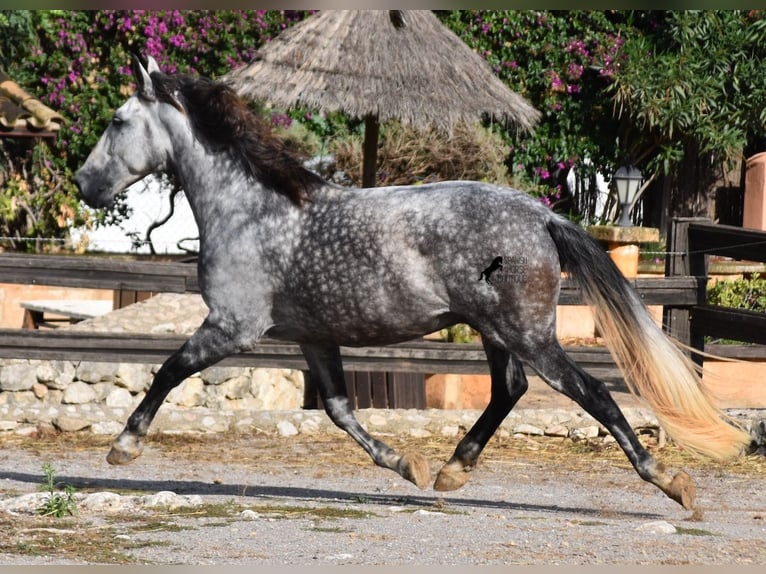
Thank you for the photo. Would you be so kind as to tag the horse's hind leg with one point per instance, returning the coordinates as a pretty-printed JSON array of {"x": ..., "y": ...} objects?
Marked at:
[
  {"x": 206, "y": 346},
  {"x": 509, "y": 383},
  {"x": 561, "y": 373},
  {"x": 326, "y": 368}
]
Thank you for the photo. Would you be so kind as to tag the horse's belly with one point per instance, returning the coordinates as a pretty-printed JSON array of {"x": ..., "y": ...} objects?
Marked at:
[{"x": 358, "y": 323}]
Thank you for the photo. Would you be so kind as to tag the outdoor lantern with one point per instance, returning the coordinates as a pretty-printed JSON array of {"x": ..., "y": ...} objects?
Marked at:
[{"x": 628, "y": 180}]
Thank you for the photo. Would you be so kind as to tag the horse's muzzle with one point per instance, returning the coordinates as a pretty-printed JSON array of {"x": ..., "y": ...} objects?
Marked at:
[{"x": 95, "y": 200}]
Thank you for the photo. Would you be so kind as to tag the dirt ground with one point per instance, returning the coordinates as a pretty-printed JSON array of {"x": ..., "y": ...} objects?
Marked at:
[{"x": 319, "y": 501}]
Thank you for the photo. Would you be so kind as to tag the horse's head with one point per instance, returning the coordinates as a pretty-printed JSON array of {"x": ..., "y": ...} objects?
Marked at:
[{"x": 135, "y": 144}]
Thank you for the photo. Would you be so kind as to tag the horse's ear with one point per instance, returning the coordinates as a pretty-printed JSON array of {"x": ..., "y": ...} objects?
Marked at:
[
  {"x": 145, "y": 87},
  {"x": 151, "y": 65}
]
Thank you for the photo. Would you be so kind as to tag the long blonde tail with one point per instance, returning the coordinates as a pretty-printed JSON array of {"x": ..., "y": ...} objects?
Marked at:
[{"x": 652, "y": 365}]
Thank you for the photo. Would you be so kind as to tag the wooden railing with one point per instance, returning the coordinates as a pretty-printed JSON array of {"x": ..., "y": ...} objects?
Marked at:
[
  {"x": 682, "y": 293},
  {"x": 691, "y": 242}
]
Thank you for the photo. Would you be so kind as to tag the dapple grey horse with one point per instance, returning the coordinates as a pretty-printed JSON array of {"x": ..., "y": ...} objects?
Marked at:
[{"x": 287, "y": 255}]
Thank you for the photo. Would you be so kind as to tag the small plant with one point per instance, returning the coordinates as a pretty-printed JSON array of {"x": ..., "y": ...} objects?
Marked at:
[
  {"x": 58, "y": 504},
  {"x": 748, "y": 293},
  {"x": 459, "y": 333}
]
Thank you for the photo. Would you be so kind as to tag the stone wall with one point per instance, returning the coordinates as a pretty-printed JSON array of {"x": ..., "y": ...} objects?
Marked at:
[
  {"x": 77, "y": 395},
  {"x": 36, "y": 396}
]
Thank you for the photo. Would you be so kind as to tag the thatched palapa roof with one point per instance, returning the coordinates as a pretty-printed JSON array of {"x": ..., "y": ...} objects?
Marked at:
[{"x": 381, "y": 65}]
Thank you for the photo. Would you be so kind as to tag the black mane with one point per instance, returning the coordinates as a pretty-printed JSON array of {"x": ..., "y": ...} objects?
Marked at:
[{"x": 223, "y": 120}]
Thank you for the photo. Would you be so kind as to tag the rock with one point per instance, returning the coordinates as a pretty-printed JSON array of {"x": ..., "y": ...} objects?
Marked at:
[
  {"x": 27, "y": 503},
  {"x": 102, "y": 390},
  {"x": 94, "y": 372},
  {"x": 135, "y": 377},
  {"x": 218, "y": 375},
  {"x": 248, "y": 514},
  {"x": 162, "y": 498},
  {"x": 278, "y": 389},
  {"x": 235, "y": 388},
  {"x": 557, "y": 430},
  {"x": 68, "y": 423},
  {"x": 103, "y": 502},
  {"x": 106, "y": 428},
  {"x": 657, "y": 527},
  {"x": 585, "y": 432},
  {"x": 190, "y": 393},
  {"x": 120, "y": 398},
  {"x": 423, "y": 512},
  {"x": 213, "y": 424},
  {"x": 310, "y": 426},
  {"x": 39, "y": 390},
  {"x": 449, "y": 430},
  {"x": 169, "y": 499},
  {"x": 528, "y": 429},
  {"x": 55, "y": 374},
  {"x": 23, "y": 398},
  {"x": 420, "y": 433},
  {"x": 17, "y": 376},
  {"x": 286, "y": 429},
  {"x": 78, "y": 393}
]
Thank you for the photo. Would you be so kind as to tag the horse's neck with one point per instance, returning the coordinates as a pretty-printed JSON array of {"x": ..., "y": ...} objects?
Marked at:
[{"x": 220, "y": 193}]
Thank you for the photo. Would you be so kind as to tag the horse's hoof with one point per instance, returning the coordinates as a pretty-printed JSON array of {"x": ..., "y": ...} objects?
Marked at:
[
  {"x": 451, "y": 477},
  {"x": 682, "y": 490},
  {"x": 414, "y": 467},
  {"x": 122, "y": 455}
]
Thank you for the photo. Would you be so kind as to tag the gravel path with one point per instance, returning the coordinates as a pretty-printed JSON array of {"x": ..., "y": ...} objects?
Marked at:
[{"x": 269, "y": 500}]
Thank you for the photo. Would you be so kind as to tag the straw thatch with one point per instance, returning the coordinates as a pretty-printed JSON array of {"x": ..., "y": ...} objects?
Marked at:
[
  {"x": 390, "y": 64},
  {"x": 380, "y": 65}
]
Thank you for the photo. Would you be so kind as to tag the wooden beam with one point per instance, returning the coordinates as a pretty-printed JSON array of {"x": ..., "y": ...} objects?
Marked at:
[
  {"x": 728, "y": 241},
  {"x": 417, "y": 356},
  {"x": 98, "y": 273},
  {"x": 728, "y": 323},
  {"x": 169, "y": 277}
]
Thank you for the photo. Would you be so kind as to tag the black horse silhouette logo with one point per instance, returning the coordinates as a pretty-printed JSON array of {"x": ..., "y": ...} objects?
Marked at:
[{"x": 497, "y": 263}]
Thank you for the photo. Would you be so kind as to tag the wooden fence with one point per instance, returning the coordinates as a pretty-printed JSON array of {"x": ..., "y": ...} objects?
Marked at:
[
  {"x": 390, "y": 376},
  {"x": 691, "y": 241}
]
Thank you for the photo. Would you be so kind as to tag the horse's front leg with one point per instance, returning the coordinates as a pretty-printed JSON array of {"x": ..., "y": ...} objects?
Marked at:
[
  {"x": 509, "y": 383},
  {"x": 326, "y": 368},
  {"x": 208, "y": 345}
]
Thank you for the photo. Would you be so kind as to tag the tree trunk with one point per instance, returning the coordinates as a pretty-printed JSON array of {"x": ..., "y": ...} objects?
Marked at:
[{"x": 693, "y": 184}]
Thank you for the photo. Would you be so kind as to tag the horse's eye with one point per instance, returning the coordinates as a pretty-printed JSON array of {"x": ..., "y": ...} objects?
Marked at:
[{"x": 117, "y": 120}]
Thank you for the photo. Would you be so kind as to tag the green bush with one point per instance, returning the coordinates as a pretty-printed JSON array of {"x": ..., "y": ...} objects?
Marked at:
[{"x": 748, "y": 293}]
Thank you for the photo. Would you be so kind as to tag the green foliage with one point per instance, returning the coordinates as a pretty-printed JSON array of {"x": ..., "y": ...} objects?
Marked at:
[
  {"x": 562, "y": 62},
  {"x": 57, "y": 504},
  {"x": 17, "y": 30},
  {"x": 78, "y": 63},
  {"x": 748, "y": 293},
  {"x": 459, "y": 333},
  {"x": 693, "y": 75},
  {"x": 649, "y": 85}
]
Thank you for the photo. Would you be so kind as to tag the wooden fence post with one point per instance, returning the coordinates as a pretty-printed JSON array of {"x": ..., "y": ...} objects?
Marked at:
[{"x": 681, "y": 262}]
